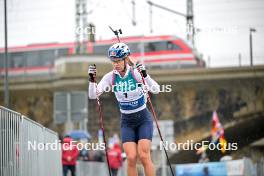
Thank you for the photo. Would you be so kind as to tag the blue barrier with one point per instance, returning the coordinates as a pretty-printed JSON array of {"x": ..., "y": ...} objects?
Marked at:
[{"x": 202, "y": 169}]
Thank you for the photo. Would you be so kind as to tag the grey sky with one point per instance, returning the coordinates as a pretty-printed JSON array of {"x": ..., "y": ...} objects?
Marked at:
[{"x": 224, "y": 24}]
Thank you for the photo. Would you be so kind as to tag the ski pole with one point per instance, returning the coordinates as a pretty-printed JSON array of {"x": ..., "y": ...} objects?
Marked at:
[
  {"x": 102, "y": 128},
  {"x": 156, "y": 122}
]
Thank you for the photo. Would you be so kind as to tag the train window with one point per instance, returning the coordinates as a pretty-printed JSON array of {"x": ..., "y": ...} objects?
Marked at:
[
  {"x": 46, "y": 57},
  {"x": 172, "y": 46},
  {"x": 161, "y": 46},
  {"x": 40, "y": 58},
  {"x": 155, "y": 46},
  {"x": 134, "y": 47},
  {"x": 17, "y": 60},
  {"x": 33, "y": 58},
  {"x": 101, "y": 49},
  {"x": 61, "y": 52}
]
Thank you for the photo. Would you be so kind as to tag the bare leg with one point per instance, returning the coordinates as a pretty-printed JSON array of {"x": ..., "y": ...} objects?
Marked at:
[
  {"x": 131, "y": 152},
  {"x": 144, "y": 155}
]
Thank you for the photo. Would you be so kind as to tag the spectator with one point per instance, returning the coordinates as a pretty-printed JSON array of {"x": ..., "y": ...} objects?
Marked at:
[
  {"x": 203, "y": 158},
  {"x": 84, "y": 155},
  {"x": 69, "y": 156},
  {"x": 99, "y": 156},
  {"x": 115, "y": 159}
]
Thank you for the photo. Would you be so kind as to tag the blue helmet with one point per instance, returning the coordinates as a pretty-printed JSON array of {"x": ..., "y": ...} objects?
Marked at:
[{"x": 118, "y": 52}]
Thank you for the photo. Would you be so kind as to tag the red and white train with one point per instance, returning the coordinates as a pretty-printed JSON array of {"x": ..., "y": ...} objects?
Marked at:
[{"x": 154, "y": 51}]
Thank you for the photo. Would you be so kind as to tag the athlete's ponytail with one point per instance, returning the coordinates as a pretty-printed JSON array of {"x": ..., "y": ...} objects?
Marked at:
[{"x": 129, "y": 61}]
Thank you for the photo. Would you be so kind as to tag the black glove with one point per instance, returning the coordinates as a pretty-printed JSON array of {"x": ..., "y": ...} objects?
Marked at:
[
  {"x": 92, "y": 73},
  {"x": 141, "y": 68}
]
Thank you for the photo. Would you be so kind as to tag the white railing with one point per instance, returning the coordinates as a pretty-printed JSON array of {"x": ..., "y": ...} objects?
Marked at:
[{"x": 23, "y": 147}]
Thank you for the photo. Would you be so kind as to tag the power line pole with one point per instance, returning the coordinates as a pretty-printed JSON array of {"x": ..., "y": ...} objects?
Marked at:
[
  {"x": 6, "y": 98},
  {"x": 189, "y": 18},
  {"x": 239, "y": 59},
  {"x": 80, "y": 24},
  {"x": 251, "y": 30},
  {"x": 150, "y": 17},
  {"x": 190, "y": 22},
  {"x": 134, "y": 23}
]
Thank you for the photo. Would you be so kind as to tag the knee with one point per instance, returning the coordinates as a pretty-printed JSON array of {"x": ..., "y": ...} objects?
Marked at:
[
  {"x": 144, "y": 157},
  {"x": 131, "y": 159}
]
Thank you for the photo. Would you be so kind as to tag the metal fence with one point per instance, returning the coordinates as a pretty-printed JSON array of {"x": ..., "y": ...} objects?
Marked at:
[
  {"x": 260, "y": 167},
  {"x": 26, "y": 147}
]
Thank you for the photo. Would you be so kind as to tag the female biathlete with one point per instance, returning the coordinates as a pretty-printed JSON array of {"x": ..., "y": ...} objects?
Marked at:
[{"x": 136, "y": 121}]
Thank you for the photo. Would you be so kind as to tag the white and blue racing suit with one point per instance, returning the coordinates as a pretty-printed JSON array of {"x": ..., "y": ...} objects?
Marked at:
[{"x": 136, "y": 121}]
